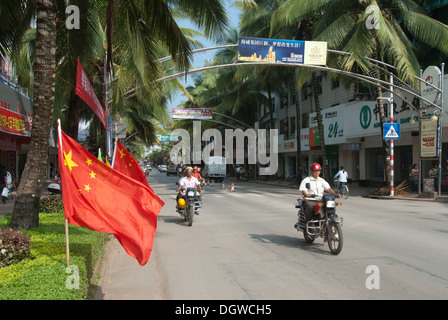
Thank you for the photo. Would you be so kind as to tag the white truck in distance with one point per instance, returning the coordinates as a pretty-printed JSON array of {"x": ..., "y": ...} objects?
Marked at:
[{"x": 216, "y": 169}]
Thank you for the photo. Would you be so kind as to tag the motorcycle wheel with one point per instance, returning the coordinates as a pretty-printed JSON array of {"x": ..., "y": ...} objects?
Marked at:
[
  {"x": 190, "y": 215},
  {"x": 308, "y": 238},
  {"x": 335, "y": 238}
]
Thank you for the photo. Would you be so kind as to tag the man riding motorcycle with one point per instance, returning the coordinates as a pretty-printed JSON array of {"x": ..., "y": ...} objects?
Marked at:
[
  {"x": 317, "y": 187},
  {"x": 198, "y": 176},
  {"x": 188, "y": 182},
  {"x": 196, "y": 173}
]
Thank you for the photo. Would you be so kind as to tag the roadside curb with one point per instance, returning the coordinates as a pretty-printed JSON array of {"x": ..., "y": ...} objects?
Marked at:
[{"x": 437, "y": 199}]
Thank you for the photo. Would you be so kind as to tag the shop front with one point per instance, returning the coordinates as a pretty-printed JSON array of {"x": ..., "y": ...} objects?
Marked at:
[
  {"x": 15, "y": 128},
  {"x": 365, "y": 129}
]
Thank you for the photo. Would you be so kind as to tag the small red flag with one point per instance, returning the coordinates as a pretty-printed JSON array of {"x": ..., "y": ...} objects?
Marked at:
[
  {"x": 125, "y": 163},
  {"x": 85, "y": 91},
  {"x": 102, "y": 199}
]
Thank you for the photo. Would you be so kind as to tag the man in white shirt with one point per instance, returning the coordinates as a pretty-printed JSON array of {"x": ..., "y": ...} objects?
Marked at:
[
  {"x": 188, "y": 182},
  {"x": 342, "y": 177},
  {"x": 313, "y": 185}
]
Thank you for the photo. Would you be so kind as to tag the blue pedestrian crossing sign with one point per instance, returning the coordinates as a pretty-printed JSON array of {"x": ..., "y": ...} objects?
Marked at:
[{"x": 391, "y": 131}]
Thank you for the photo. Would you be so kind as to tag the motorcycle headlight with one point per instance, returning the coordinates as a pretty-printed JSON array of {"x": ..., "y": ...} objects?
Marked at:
[
  {"x": 190, "y": 194},
  {"x": 331, "y": 204}
]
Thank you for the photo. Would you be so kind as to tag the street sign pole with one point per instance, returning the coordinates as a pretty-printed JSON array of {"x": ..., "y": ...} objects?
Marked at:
[
  {"x": 391, "y": 112},
  {"x": 440, "y": 128}
]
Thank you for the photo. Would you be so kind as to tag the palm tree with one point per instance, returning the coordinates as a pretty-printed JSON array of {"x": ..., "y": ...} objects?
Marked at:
[
  {"x": 304, "y": 30},
  {"x": 344, "y": 25},
  {"x": 148, "y": 23},
  {"x": 26, "y": 207},
  {"x": 256, "y": 22}
]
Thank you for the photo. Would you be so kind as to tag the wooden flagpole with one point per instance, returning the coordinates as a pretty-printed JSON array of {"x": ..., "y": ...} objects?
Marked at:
[{"x": 67, "y": 247}]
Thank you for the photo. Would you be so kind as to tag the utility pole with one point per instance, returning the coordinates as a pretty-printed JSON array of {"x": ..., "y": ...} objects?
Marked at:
[{"x": 391, "y": 112}]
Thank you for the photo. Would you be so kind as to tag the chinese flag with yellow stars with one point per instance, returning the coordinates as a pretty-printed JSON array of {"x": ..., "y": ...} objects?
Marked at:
[
  {"x": 102, "y": 199},
  {"x": 126, "y": 164}
]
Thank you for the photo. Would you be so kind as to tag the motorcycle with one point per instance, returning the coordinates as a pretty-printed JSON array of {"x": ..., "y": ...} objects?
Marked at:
[
  {"x": 54, "y": 187},
  {"x": 191, "y": 206},
  {"x": 326, "y": 223}
]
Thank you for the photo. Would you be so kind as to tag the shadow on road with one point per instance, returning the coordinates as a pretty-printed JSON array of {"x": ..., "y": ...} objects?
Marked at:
[
  {"x": 173, "y": 219},
  {"x": 292, "y": 242}
]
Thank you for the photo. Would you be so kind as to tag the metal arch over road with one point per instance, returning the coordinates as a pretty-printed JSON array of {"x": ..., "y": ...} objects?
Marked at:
[{"x": 385, "y": 85}]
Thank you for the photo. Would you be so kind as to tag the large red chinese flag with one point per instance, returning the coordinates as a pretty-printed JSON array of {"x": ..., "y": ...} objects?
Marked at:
[
  {"x": 100, "y": 198},
  {"x": 126, "y": 164},
  {"x": 85, "y": 91}
]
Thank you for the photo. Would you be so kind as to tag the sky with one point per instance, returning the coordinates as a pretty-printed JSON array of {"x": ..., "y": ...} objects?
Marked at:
[{"x": 201, "y": 57}]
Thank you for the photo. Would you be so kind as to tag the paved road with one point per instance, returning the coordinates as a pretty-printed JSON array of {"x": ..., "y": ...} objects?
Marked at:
[{"x": 243, "y": 246}]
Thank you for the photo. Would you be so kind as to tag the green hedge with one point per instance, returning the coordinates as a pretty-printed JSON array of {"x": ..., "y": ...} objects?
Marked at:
[{"x": 44, "y": 276}]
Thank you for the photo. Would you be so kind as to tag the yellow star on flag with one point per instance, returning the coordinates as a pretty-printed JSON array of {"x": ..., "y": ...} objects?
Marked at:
[
  {"x": 69, "y": 162},
  {"x": 87, "y": 187},
  {"x": 89, "y": 162},
  {"x": 92, "y": 175},
  {"x": 122, "y": 154}
]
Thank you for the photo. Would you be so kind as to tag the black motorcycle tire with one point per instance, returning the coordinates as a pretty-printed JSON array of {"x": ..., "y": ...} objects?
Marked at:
[
  {"x": 190, "y": 215},
  {"x": 335, "y": 239}
]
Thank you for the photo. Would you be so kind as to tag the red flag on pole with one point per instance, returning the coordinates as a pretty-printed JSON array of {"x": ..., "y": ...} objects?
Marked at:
[
  {"x": 102, "y": 199},
  {"x": 126, "y": 164},
  {"x": 85, "y": 91}
]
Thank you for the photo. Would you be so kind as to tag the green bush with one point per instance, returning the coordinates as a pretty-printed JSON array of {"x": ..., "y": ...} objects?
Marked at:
[
  {"x": 14, "y": 247},
  {"x": 45, "y": 276},
  {"x": 51, "y": 204}
]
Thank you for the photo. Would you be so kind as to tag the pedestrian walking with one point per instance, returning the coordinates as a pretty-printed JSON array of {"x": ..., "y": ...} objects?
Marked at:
[
  {"x": 414, "y": 177},
  {"x": 238, "y": 173},
  {"x": 3, "y": 183}
]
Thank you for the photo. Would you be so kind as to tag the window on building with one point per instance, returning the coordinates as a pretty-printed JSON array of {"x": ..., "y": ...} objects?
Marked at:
[
  {"x": 305, "y": 92},
  {"x": 266, "y": 107},
  {"x": 284, "y": 126},
  {"x": 284, "y": 101},
  {"x": 292, "y": 125},
  {"x": 293, "y": 98},
  {"x": 334, "y": 83},
  {"x": 305, "y": 120}
]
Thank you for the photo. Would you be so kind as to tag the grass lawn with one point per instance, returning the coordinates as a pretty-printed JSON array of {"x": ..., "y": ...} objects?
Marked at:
[{"x": 45, "y": 276}]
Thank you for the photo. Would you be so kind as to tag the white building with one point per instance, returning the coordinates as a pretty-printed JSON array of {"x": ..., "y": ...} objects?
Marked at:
[{"x": 352, "y": 132}]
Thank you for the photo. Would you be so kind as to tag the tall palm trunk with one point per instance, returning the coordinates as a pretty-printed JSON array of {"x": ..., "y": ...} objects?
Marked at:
[
  {"x": 26, "y": 208},
  {"x": 298, "y": 123},
  {"x": 315, "y": 84},
  {"x": 383, "y": 119},
  {"x": 271, "y": 108}
]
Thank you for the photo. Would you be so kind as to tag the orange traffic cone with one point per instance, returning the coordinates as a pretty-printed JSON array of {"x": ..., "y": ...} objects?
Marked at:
[{"x": 232, "y": 188}]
